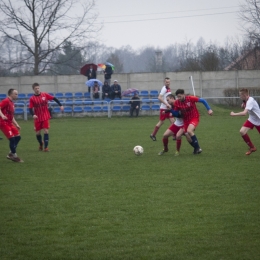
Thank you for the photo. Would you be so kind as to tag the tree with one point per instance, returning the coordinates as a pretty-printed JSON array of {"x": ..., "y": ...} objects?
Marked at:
[
  {"x": 43, "y": 26},
  {"x": 69, "y": 61},
  {"x": 115, "y": 60},
  {"x": 209, "y": 60},
  {"x": 250, "y": 14}
]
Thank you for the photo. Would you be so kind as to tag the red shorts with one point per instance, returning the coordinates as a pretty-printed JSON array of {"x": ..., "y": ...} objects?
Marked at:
[
  {"x": 9, "y": 130},
  {"x": 41, "y": 125},
  {"x": 164, "y": 116},
  {"x": 175, "y": 129},
  {"x": 194, "y": 121},
  {"x": 250, "y": 125}
]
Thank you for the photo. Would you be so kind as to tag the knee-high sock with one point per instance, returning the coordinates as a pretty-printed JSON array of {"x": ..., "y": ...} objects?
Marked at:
[
  {"x": 195, "y": 142},
  {"x": 178, "y": 145},
  {"x": 247, "y": 140},
  {"x": 46, "y": 140},
  {"x": 155, "y": 130},
  {"x": 17, "y": 140},
  {"x": 165, "y": 143},
  {"x": 39, "y": 138},
  {"x": 12, "y": 145}
]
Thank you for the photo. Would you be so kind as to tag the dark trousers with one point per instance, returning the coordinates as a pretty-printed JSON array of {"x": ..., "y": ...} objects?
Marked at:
[
  {"x": 114, "y": 95},
  {"x": 132, "y": 111},
  {"x": 103, "y": 96}
]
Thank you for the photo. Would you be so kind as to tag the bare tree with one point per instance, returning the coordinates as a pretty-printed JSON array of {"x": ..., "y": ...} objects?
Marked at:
[
  {"x": 250, "y": 14},
  {"x": 43, "y": 26}
]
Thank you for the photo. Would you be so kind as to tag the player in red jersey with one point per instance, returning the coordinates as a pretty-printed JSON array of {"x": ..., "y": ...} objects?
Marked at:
[
  {"x": 190, "y": 114},
  {"x": 8, "y": 124},
  {"x": 39, "y": 110},
  {"x": 164, "y": 106}
]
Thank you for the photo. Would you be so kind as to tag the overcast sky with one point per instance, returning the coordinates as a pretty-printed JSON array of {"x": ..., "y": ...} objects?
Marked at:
[{"x": 160, "y": 23}]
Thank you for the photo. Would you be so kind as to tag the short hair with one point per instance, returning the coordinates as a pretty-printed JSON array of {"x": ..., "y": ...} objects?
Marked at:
[
  {"x": 10, "y": 91},
  {"x": 244, "y": 90},
  {"x": 170, "y": 96},
  {"x": 179, "y": 91},
  {"x": 35, "y": 85},
  {"x": 166, "y": 78}
]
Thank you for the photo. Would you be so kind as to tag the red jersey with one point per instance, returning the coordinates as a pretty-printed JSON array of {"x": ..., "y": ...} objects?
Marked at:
[
  {"x": 7, "y": 108},
  {"x": 40, "y": 105},
  {"x": 187, "y": 107}
]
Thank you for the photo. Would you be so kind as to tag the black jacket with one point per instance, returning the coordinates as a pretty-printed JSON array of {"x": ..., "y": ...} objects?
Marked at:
[
  {"x": 91, "y": 75},
  {"x": 135, "y": 103},
  {"x": 108, "y": 72},
  {"x": 106, "y": 89}
]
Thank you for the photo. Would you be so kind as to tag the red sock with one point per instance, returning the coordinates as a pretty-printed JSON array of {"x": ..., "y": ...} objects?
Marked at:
[
  {"x": 155, "y": 130},
  {"x": 165, "y": 143},
  {"x": 178, "y": 145},
  {"x": 247, "y": 140}
]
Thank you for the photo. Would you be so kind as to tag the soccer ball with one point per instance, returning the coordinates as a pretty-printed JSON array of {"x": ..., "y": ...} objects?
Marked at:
[{"x": 138, "y": 150}]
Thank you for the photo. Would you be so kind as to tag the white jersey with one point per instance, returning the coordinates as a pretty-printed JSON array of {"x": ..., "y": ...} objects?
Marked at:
[
  {"x": 164, "y": 92},
  {"x": 253, "y": 111},
  {"x": 178, "y": 121}
]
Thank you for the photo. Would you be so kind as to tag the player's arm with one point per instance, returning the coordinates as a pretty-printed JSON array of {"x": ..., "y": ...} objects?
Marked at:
[
  {"x": 59, "y": 103},
  {"x": 15, "y": 123},
  {"x": 31, "y": 110},
  {"x": 205, "y": 103},
  {"x": 243, "y": 113},
  {"x": 2, "y": 115},
  {"x": 160, "y": 98},
  {"x": 175, "y": 113}
]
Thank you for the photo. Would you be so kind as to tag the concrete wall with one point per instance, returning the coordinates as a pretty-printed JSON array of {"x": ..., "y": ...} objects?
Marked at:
[{"x": 207, "y": 84}]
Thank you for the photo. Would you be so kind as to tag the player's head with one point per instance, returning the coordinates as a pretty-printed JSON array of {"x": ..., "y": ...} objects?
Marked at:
[
  {"x": 12, "y": 93},
  {"x": 244, "y": 94},
  {"x": 36, "y": 88},
  {"x": 180, "y": 94},
  {"x": 167, "y": 82},
  {"x": 170, "y": 99},
  {"x": 115, "y": 82}
]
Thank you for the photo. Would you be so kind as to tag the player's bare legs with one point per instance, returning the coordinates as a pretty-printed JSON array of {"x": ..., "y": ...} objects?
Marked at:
[{"x": 243, "y": 131}]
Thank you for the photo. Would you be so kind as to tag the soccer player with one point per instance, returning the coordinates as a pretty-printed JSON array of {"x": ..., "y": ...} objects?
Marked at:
[
  {"x": 8, "y": 124},
  {"x": 251, "y": 107},
  {"x": 176, "y": 129},
  {"x": 164, "y": 106},
  {"x": 190, "y": 114},
  {"x": 39, "y": 110}
]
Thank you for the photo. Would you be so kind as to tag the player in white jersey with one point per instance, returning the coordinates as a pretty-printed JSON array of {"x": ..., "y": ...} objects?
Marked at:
[
  {"x": 176, "y": 129},
  {"x": 164, "y": 106},
  {"x": 252, "y": 108}
]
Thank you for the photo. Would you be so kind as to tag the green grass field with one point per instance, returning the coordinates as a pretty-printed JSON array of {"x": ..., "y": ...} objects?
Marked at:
[{"x": 92, "y": 198}]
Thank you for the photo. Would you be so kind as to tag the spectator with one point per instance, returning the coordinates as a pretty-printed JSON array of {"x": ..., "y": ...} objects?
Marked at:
[
  {"x": 107, "y": 73},
  {"x": 91, "y": 74},
  {"x": 135, "y": 105},
  {"x": 96, "y": 90},
  {"x": 115, "y": 90},
  {"x": 106, "y": 90}
]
